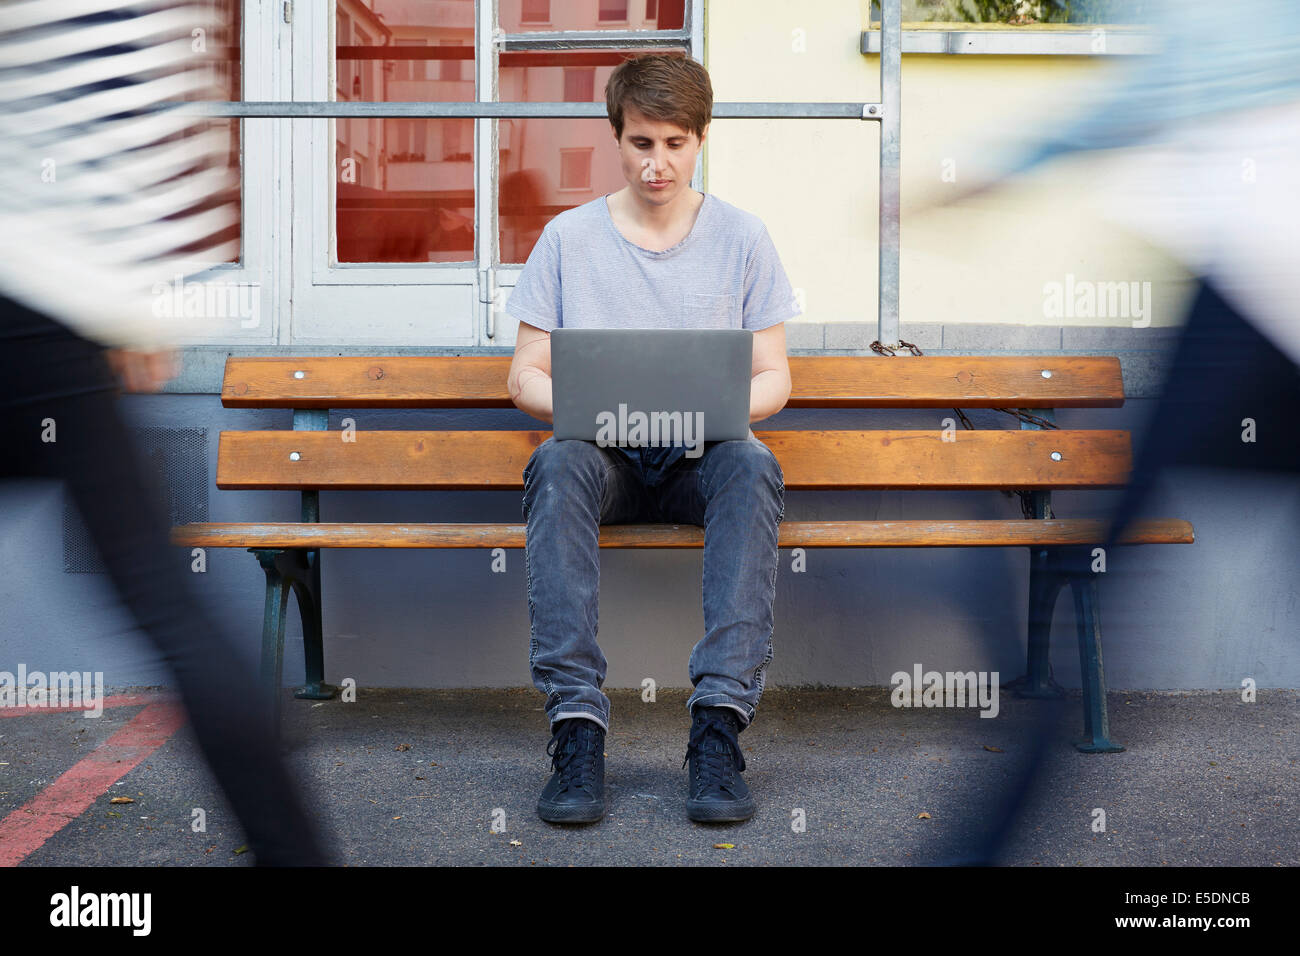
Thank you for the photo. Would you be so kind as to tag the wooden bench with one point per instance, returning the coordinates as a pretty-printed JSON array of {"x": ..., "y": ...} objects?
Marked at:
[{"x": 1032, "y": 460}]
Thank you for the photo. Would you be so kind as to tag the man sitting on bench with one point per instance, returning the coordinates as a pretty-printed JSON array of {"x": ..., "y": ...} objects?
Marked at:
[{"x": 655, "y": 254}]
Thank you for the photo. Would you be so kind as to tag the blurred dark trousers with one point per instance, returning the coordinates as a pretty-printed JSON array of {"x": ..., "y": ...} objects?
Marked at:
[
  {"x": 49, "y": 372},
  {"x": 1225, "y": 380}
]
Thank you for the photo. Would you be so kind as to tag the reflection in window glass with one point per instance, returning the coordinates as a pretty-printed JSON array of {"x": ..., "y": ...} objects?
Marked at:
[
  {"x": 550, "y": 165},
  {"x": 523, "y": 16},
  {"x": 404, "y": 188},
  {"x": 579, "y": 84},
  {"x": 613, "y": 10},
  {"x": 575, "y": 169},
  {"x": 1024, "y": 12},
  {"x": 535, "y": 11},
  {"x": 221, "y": 57}
]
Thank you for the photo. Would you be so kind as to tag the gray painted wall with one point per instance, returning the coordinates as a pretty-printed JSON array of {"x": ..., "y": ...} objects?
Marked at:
[{"x": 1174, "y": 617}]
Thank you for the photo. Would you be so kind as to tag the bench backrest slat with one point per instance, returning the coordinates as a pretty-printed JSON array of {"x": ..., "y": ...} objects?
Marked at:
[
  {"x": 810, "y": 460},
  {"x": 819, "y": 381}
]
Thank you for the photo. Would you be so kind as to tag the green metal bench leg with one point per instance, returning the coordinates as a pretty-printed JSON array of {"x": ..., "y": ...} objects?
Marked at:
[
  {"x": 1096, "y": 725},
  {"x": 1045, "y": 585},
  {"x": 299, "y": 570},
  {"x": 306, "y": 586},
  {"x": 1049, "y": 570},
  {"x": 277, "y": 598}
]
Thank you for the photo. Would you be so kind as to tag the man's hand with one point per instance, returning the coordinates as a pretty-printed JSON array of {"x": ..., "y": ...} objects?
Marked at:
[{"x": 143, "y": 371}]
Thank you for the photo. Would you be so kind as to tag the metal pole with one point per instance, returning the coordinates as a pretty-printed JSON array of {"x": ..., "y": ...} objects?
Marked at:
[
  {"x": 330, "y": 109},
  {"x": 891, "y": 62}
]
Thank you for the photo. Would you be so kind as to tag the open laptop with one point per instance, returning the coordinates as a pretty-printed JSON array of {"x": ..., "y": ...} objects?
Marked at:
[{"x": 647, "y": 387}]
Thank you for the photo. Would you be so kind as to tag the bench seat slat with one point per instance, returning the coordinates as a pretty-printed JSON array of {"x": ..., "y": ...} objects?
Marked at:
[
  {"x": 810, "y": 460},
  {"x": 815, "y": 534},
  {"x": 819, "y": 381}
]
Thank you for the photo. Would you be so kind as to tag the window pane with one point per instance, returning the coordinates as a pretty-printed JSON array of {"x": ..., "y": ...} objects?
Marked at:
[
  {"x": 1024, "y": 12},
  {"x": 526, "y": 16},
  {"x": 405, "y": 188},
  {"x": 221, "y": 57},
  {"x": 549, "y": 165}
]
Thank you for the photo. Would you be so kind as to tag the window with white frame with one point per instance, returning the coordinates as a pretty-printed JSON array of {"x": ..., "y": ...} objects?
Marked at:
[{"x": 414, "y": 197}]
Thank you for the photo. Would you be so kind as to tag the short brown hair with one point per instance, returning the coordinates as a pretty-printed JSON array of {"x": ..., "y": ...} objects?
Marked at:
[{"x": 670, "y": 88}]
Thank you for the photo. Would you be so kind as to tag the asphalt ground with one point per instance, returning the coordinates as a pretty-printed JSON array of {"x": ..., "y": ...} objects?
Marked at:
[{"x": 841, "y": 777}]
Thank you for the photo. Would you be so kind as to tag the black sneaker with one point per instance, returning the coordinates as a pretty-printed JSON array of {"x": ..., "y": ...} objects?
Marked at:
[
  {"x": 717, "y": 794},
  {"x": 576, "y": 791}
]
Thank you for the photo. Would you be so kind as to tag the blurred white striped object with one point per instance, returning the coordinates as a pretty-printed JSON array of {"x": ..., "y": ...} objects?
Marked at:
[{"x": 105, "y": 197}]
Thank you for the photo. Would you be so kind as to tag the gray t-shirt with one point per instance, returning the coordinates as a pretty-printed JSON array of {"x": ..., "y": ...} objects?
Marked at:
[{"x": 583, "y": 274}]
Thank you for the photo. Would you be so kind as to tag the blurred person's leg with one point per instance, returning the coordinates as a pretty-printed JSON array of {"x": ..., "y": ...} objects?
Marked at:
[
  {"x": 1223, "y": 372},
  {"x": 47, "y": 372},
  {"x": 1226, "y": 380}
]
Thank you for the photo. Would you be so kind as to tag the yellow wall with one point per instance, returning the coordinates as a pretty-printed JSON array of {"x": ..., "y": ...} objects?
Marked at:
[{"x": 814, "y": 182}]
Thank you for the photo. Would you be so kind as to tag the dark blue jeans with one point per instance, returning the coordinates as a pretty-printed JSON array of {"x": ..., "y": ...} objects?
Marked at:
[{"x": 735, "y": 490}]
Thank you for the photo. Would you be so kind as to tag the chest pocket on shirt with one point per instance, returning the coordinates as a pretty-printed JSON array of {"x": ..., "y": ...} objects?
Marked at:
[{"x": 702, "y": 310}]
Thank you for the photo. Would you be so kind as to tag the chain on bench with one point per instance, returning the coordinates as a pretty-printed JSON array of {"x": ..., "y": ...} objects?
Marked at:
[{"x": 1026, "y": 499}]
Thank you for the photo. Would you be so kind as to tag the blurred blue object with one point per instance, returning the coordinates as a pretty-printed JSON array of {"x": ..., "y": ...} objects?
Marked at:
[{"x": 1215, "y": 58}]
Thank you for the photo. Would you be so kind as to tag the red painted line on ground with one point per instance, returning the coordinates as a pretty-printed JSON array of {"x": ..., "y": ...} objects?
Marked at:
[
  {"x": 28, "y": 827},
  {"x": 122, "y": 700}
]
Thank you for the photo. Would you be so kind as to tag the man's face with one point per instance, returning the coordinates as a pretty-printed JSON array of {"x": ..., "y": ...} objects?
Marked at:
[{"x": 658, "y": 158}]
